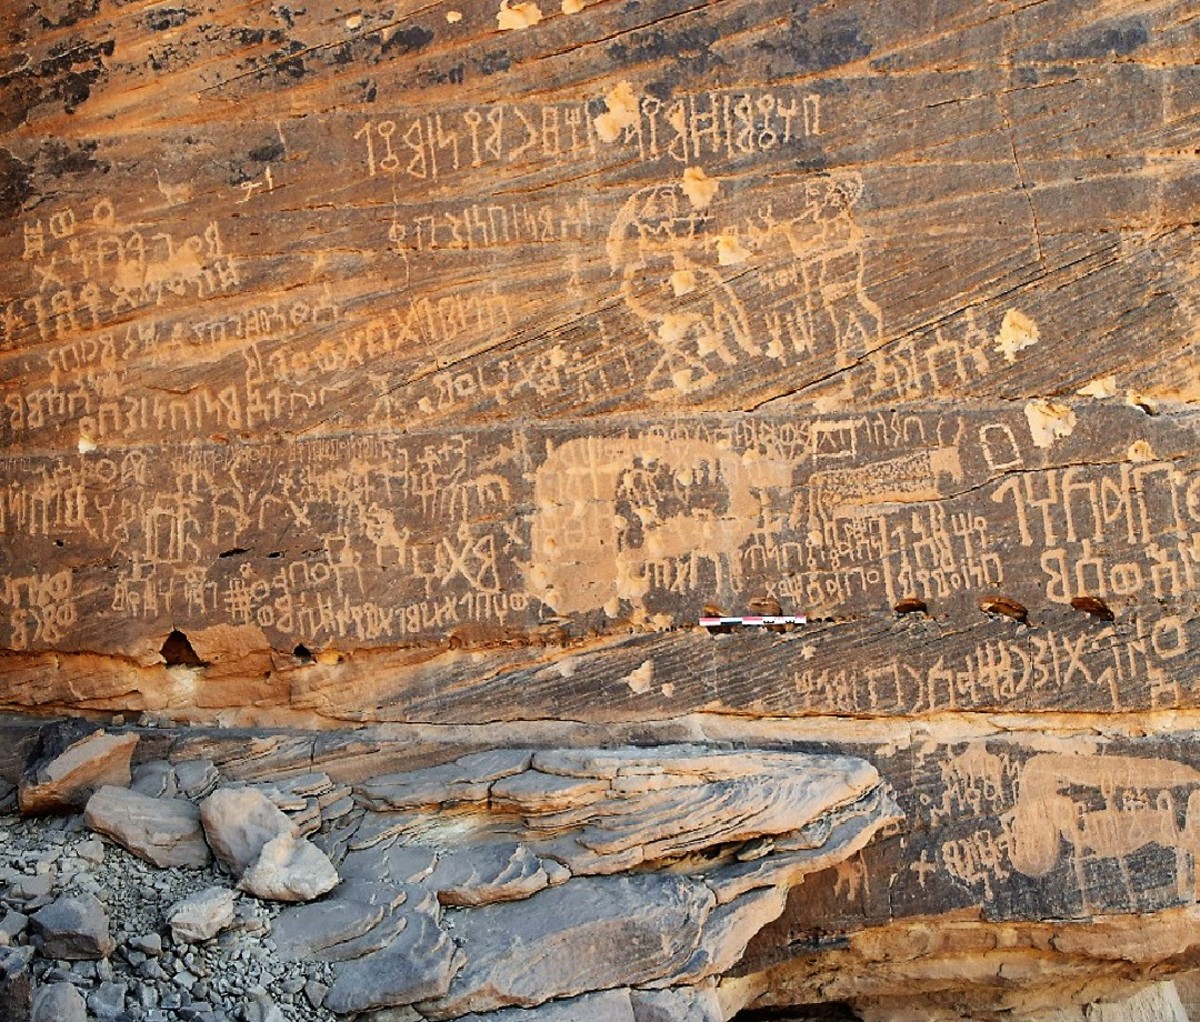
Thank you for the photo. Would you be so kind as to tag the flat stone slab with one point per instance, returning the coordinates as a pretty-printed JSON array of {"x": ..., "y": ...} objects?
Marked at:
[
  {"x": 589, "y": 934},
  {"x": 417, "y": 964},
  {"x": 164, "y": 831},
  {"x": 330, "y": 929},
  {"x": 467, "y": 779},
  {"x": 479, "y": 874}
]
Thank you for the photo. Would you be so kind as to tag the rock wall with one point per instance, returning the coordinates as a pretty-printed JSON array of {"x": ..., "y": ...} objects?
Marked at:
[{"x": 387, "y": 384}]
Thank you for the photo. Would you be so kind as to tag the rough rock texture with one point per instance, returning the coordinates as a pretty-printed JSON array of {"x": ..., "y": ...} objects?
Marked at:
[
  {"x": 418, "y": 374},
  {"x": 610, "y": 1006},
  {"x": 416, "y": 963},
  {"x": 448, "y": 903},
  {"x": 16, "y": 982},
  {"x": 58, "y": 1002},
  {"x": 289, "y": 869}
]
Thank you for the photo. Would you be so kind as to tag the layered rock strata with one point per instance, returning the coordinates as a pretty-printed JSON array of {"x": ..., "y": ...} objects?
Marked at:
[{"x": 513, "y": 878}]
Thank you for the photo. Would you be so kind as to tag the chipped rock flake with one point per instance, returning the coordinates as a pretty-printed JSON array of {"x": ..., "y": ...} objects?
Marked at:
[
  {"x": 699, "y": 187},
  {"x": 683, "y": 282},
  {"x": 513, "y": 17},
  {"x": 730, "y": 251},
  {"x": 1141, "y": 452},
  {"x": 1136, "y": 399},
  {"x": 1017, "y": 332},
  {"x": 641, "y": 679},
  {"x": 1049, "y": 421},
  {"x": 572, "y": 6},
  {"x": 1106, "y": 386},
  {"x": 622, "y": 113}
]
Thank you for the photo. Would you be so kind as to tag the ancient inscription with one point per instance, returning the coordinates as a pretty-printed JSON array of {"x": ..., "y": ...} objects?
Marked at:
[
  {"x": 403, "y": 538},
  {"x": 1117, "y": 829}
]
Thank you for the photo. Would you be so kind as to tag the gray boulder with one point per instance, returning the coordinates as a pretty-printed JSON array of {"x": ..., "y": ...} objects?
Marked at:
[
  {"x": 74, "y": 928},
  {"x": 58, "y": 1002},
  {"x": 289, "y": 869},
  {"x": 238, "y": 822}
]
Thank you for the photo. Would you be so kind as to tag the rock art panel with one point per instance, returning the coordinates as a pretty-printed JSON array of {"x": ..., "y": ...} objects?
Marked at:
[{"x": 433, "y": 371}]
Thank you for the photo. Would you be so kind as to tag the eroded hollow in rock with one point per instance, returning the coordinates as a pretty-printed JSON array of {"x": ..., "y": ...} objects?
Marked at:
[{"x": 177, "y": 651}]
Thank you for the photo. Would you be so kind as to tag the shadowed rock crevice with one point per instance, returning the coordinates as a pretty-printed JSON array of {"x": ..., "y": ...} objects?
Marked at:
[{"x": 177, "y": 651}]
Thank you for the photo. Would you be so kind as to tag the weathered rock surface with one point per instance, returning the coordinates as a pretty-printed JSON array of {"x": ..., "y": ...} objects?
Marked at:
[
  {"x": 590, "y": 934},
  {"x": 416, "y": 964},
  {"x": 752, "y": 823},
  {"x": 201, "y": 916},
  {"x": 66, "y": 779},
  {"x": 608, "y": 1006},
  {"x": 74, "y": 928},
  {"x": 1157, "y": 1003},
  {"x": 196, "y": 778},
  {"x": 333, "y": 929},
  {"x": 163, "y": 831},
  {"x": 484, "y": 873},
  {"x": 688, "y": 1004},
  {"x": 107, "y": 1001}
]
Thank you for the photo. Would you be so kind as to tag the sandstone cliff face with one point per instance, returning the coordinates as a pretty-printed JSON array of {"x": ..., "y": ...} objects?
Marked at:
[{"x": 428, "y": 371}]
